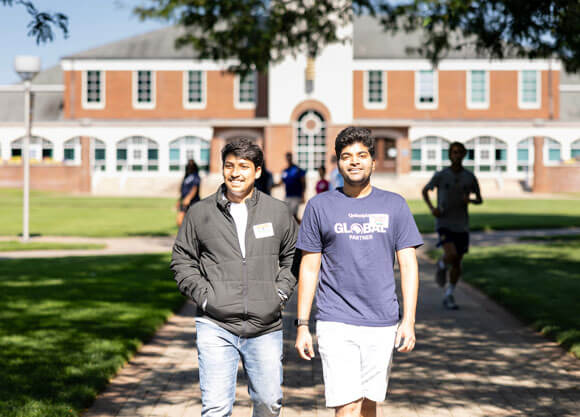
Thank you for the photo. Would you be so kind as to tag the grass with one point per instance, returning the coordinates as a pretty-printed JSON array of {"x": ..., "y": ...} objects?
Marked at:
[
  {"x": 65, "y": 215},
  {"x": 56, "y": 214},
  {"x": 509, "y": 214},
  {"x": 13, "y": 245},
  {"x": 66, "y": 331},
  {"x": 539, "y": 283}
]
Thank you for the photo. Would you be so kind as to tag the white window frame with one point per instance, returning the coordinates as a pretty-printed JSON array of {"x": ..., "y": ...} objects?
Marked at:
[
  {"x": 367, "y": 103},
  {"x": 237, "y": 103},
  {"x": 144, "y": 106},
  {"x": 186, "y": 103},
  {"x": 93, "y": 106},
  {"x": 427, "y": 106},
  {"x": 470, "y": 103},
  {"x": 74, "y": 144},
  {"x": 538, "y": 103}
]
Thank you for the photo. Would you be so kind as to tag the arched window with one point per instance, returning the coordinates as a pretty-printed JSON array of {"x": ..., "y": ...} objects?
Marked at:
[
  {"x": 188, "y": 147},
  {"x": 429, "y": 153},
  {"x": 72, "y": 151},
  {"x": 575, "y": 149},
  {"x": 486, "y": 154},
  {"x": 99, "y": 153},
  {"x": 525, "y": 154},
  {"x": 137, "y": 153},
  {"x": 40, "y": 149},
  {"x": 552, "y": 151},
  {"x": 310, "y": 140}
]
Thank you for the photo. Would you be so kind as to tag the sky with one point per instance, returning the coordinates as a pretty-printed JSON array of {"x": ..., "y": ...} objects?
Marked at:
[{"x": 91, "y": 23}]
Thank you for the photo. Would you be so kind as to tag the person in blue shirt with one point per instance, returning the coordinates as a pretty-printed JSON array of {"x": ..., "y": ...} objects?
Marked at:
[
  {"x": 349, "y": 239},
  {"x": 188, "y": 190},
  {"x": 293, "y": 179},
  {"x": 336, "y": 179}
]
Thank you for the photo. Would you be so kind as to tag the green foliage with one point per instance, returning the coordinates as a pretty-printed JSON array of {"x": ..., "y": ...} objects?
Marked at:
[
  {"x": 538, "y": 283},
  {"x": 257, "y": 32},
  {"x": 41, "y": 23},
  {"x": 65, "y": 215},
  {"x": 67, "y": 325}
]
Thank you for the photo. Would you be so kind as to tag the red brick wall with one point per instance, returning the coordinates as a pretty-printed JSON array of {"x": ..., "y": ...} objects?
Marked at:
[
  {"x": 553, "y": 179},
  {"x": 169, "y": 97},
  {"x": 503, "y": 102}
]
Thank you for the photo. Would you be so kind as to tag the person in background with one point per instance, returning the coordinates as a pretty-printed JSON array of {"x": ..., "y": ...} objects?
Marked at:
[
  {"x": 322, "y": 184},
  {"x": 336, "y": 179},
  {"x": 293, "y": 179},
  {"x": 454, "y": 186},
  {"x": 266, "y": 181},
  {"x": 189, "y": 190}
]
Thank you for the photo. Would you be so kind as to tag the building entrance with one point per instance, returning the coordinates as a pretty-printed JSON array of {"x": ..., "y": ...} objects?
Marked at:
[{"x": 386, "y": 155}]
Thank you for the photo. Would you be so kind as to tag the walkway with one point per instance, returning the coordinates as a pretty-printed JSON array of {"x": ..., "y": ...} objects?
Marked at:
[{"x": 478, "y": 361}]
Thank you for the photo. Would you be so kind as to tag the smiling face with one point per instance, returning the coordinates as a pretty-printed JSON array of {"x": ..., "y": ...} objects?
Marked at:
[
  {"x": 356, "y": 164},
  {"x": 239, "y": 177}
]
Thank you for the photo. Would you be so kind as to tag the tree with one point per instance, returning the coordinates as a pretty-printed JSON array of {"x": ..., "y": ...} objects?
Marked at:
[
  {"x": 41, "y": 23},
  {"x": 257, "y": 32}
]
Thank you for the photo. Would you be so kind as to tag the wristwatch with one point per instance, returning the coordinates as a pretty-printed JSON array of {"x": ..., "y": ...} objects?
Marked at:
[{"x": 301, "y": 322}]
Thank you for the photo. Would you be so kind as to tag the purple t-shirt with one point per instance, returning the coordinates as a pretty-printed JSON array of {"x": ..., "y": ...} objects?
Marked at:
[{"x": 358, "y": 239}]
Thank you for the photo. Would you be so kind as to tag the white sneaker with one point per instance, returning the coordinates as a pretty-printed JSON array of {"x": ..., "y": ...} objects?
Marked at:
[{"x": 449, "y": 302}]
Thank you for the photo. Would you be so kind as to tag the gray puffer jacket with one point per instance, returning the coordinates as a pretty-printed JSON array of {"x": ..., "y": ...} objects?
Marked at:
[{"x": 239, "y": 294}]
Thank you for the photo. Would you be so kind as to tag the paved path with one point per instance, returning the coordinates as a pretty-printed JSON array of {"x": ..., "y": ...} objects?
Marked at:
[{"x": 478, "y": 361}]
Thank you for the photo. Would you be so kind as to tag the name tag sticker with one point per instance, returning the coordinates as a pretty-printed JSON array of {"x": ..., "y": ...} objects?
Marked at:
[
  {"x": 263, "y": 230},
  {"x": 380, "y": 220}
]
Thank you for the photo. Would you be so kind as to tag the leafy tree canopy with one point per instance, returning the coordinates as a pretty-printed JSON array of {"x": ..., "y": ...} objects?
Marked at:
[
  {"x": 257, "y": 32},
  {"x": 41, "y": 23}
]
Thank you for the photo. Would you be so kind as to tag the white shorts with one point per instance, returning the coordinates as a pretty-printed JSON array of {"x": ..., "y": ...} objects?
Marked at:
[{"x": 355, "y": 361}]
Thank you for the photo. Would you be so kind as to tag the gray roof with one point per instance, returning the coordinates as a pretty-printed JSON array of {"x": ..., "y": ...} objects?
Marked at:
[
  {"x": 47, "y": 106},
  {"x": 158, "y": 44}
]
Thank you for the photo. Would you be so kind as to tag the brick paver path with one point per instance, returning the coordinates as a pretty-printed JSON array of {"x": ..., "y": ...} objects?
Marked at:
[{"x": 478, "y": 361}]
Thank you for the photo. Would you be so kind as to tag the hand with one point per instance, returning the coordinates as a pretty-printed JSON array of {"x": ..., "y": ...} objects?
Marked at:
[
  {"x": 406, "y": 331},
  {"x": 304, "y": 343},
  {"x": 436, "y": 212}
]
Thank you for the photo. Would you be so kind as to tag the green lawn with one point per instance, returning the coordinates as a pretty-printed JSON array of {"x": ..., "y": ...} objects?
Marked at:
[
  {"x": 65, "y": 215},
  {"x": 65, "y": 331},
  {"x": 509, "y": 214},
  {"x": 539, "y": 283},
  {"x": 13, "y": 245}
]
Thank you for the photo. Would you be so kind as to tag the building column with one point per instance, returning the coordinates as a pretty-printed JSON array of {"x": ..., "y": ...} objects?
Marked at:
[
  {"x": 541, "y": 181},
  {"x": 215, "y": 156},
  {"x": 85, "y": 180},
  {"x": 403, "y": 146}
]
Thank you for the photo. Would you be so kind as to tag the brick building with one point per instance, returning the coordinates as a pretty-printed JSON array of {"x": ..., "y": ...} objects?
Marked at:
[{"x": 141, "y": 108}]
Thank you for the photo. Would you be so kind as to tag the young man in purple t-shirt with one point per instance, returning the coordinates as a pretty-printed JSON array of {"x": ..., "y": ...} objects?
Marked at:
[{"x": 349, "y": 238}]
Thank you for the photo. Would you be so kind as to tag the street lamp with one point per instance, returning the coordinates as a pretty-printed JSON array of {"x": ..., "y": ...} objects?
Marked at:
[{"x": 27, "y": 67}]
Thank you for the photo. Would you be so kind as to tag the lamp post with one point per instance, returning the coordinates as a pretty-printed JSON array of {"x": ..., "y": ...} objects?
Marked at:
[{"x": 27, "y": 67}]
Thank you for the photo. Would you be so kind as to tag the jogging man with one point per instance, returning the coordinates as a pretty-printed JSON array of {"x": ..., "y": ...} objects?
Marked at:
[
  {"x": 454, "y": 186},
  {"x": 233, "y": 257},
  {"x": 350, "y": 236}
]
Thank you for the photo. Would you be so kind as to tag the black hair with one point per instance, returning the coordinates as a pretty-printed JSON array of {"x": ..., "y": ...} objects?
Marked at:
[
  {"x": 244, "y": 148},
  {"x": 191, "y": 168},
  {"x": 351, "y": 135},
  {"x": 459, "y": 145}
]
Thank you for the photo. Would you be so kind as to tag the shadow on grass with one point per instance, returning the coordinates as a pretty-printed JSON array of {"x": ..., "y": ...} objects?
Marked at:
[{"x": 68, "y": 324}]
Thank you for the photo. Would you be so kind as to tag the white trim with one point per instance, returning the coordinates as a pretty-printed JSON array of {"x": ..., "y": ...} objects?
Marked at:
[
  {"x": 374, "y": 106},
  {"x": 144, "y": 106},
  {"x": 427, "y": 106},
  {"x": 538, "y": 103},
  {"x": 35, "y": 88},
  {"x": 470, "y": 104},
  {"x": 245, "y": 106},
  {"x": 455, "y": 64},
  {"x": 144, "y": 64},
  {"x": 186, "y": 103},
  {"x": 93, "y": 106},
  {"x": 570, "y": 88}
]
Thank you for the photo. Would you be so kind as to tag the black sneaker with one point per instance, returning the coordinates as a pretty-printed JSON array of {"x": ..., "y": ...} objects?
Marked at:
[
  {"x": 449, "y": 303},
  {"x": 440, "y": 276}
]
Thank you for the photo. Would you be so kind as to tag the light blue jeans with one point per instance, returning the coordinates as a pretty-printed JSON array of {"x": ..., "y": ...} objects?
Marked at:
[{"x": 219, "y": 352}]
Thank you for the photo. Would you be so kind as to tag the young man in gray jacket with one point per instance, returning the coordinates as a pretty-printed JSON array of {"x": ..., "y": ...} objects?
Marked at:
[{"x": 233, "y": 257}]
